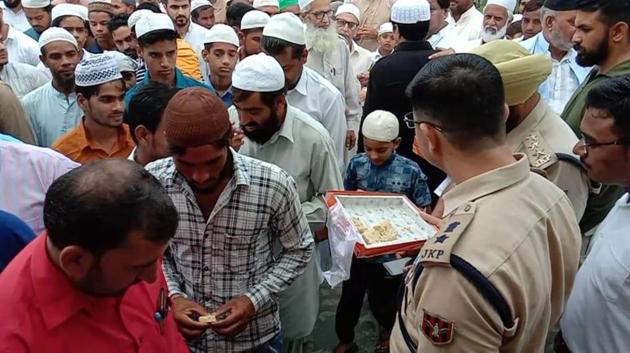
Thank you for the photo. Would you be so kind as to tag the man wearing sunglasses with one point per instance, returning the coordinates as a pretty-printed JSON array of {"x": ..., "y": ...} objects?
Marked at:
[{"x": 597, "y": 316}]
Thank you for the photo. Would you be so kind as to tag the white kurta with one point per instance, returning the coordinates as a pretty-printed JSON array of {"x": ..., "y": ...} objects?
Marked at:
[
  {"x": 21, "y": 48},
  {"x": 469, "y": 26},
  {"x": 22, "y": 78}
]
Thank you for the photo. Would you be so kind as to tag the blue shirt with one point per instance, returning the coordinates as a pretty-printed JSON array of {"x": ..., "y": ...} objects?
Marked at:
[
  {"x": 397, "y": 175},
  {"x": 14, "y": 236},
  {"x": 227, "y": 97},
  {"x": 9, "y": 138},
  {"x": 31, "y": 32},
  {"x": 181, "y": 81}
]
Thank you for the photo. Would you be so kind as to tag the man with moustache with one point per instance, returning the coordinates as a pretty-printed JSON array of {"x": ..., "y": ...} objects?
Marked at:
[
  {"x": 192, "y": 33},
  {"x": 602, "y": 40},
  {"x": 329, "y": 56},
  {"x": 52, "y": 109},
  {"x": 122, "y": 36},
  {"x": 531, "y": 23},
  {"x": 101, "y": 134},
  {"x": 233, "y": 210},
  {"x": 558, "y": 27},
  {"x": 467, "y": 21},
  {"x": 278, "y": 133},
  {"x": 14, "y": 14},
  {"x": 38, "y": 16},
  {"x": 202, "y": 13},
  {"x": 497, "y": 16}
]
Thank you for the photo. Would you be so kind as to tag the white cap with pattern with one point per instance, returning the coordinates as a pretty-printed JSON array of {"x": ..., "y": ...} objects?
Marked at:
[
  {"x": 35, "y": 4},
  {"x": 410, "y": 11},
  {"x": 286, "y": 26},
  {"x": 124, "y": 62},
  {"x": 254, "y": 19},
  {"x": 258, "y": 73},
  {"x": 349, "y": 8},
  {"x": 96, "y": 70},
  {"x": 153, "y": 22},
  {"x": 56, "y": 34},
  {"x": 62, "y": 10},
  {"x": 195, "y": 4},
  {"x": 380, "y": 125},
  {"x": 220, "y": 33}
]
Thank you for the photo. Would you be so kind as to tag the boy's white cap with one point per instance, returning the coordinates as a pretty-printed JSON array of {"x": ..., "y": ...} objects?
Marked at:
[
  {"x": 220, "y": 33},
  {"x": 153, "y": 22},
  {"x": 195, "y": 4},
  {"x": 254, "y": 19},
  {"x": 351, "y": 9},
  {"x": 381, "y": 126},
  {"x": 386, "y": 27}
]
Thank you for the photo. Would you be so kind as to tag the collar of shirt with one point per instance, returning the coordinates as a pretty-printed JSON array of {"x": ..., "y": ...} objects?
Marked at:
[
  {"x": 486, "y": 183},
  {"x": 286, "y": 130},
  {"x": 541, "y": 46},
  {"x": 6, "y": 8},
  {"x": 88, "y": 145},
  {"x": 11, "y": 33},
  {"x": 620, "y": 69},
  {"x": 518, "y": 134},
  {"x": 179, "y": 78},
  {"x": 413, "y": 45},
  {"x": 51, "y": 90},
  {"x": 302, "y": 86},
  {"x": 468, "y": 13},
  {"x": 217, "y": 92},
  {"x": 57, "y": 298}
]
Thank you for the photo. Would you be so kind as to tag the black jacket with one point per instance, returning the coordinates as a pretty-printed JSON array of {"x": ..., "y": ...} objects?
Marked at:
[{"x": 386, "y": 91}]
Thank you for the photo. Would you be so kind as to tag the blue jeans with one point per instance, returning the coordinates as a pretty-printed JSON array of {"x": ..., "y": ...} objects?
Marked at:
[{"x": 273, "y": 346}]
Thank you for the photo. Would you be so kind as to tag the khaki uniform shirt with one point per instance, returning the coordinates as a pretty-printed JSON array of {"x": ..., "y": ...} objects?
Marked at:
[
  {"x": 520, "y": 233},
  {"x": 541, "y": 136}
]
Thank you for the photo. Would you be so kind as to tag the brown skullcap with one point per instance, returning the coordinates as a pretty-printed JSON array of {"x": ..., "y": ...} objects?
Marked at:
[
  {"x": 195, "y": 117},
  {"x": 101, "y": 6}
]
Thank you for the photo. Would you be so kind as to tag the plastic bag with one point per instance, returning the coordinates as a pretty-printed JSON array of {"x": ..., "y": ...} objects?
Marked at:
[{"x": 342, "y": 236}]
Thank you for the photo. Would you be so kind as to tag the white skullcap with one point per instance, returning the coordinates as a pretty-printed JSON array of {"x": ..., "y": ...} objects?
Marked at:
[
  {"x": 124, "y": 62},
  {"x": 517, "y": 17},
  {"x": 509, "y": 5},
  {"x": 56, "y": 34},
  {"x": 381, "y": 126},
  {"x": 386, "y": 27},
  {"x": 35, "y": 4},
  {"x": 304, "y": 4},
  {"x": 221, "y": 33},
  {"x": 136, "y": 16},
  {"x": 69, "y": 10},
  {"x": 349, "y": 8},
  {"x": 410, "y": 11},
  {"x": 153, "y": 22},
  {"x": 258, "y": 73},
  {"x": 101, "y": 1},
  {"x": 260, "y": 3},
  {"x": 195, "y": 4},
  {"x": 254, "y": 19},
  {"x": 286, "y": 26},
  {"x": 96, "y": 70}
]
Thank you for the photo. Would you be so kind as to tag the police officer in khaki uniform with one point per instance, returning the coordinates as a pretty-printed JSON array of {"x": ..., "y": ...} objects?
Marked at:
[
  {"x": 497, "y": 274},
  {"x": 533, "y": 128}
]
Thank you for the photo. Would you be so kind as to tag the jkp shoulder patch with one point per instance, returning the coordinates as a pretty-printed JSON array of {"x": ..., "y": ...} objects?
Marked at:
[
  {"x": 437, "y": 250},
  {"x": 436, "y": 329}
]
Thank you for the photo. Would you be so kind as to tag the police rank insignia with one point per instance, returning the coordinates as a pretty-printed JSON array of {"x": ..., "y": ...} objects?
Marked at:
[{"x": 437, "y": 330}]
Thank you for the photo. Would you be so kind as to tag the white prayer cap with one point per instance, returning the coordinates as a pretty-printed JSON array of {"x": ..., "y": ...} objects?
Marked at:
[
  {"x": 509, "y": 5},
  {"x": 386, "y": 27},
  {"x": 304, "y": 4},
  {"x": 96, "y": 70},
  {"x": 56, "y": 34},
  {"x": 136, "y": 16},
  {"x": 254, "y": 19},
  {"x": 35, "y": 4},
  {"x": 381, "y": 126},
  {"x": 410, "y": 11},
  {"x": 260, "y": 3},
  {"x": 221, "y": 33},
  {"x": 153, "y": 22},
  {"x": 69, "y": 10},
  {"x": 286, "y": 26},
  {"x": 349, "y": 8},
  {"x": 258, "y": 73},
  {"x": 195, "y": 4},
  {"x": 124, "y": 62}
]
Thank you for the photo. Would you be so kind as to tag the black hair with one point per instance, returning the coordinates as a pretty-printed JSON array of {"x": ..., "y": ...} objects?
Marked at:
[
  {"x": 57, "y": 21},
  {"x": 147, "y": 105},
  {"x": 533, "y": 5},
  {"x": 275, "y": 46},
  {"x": 461, "y": 78},
  {"x": 157, "y": 36},
  {"x": 120, "y": 20},
  {"x": 195, "y": 12},
  {"x": 235, "y": 12},
  {"x": 611, "y": 11},
  {"x": 514, "y": 28},
  {"x": 98, "y": 205},
  {"x": 413, "y": 31},
  {"x": 268, "y": 98},
  {"x": 149, "y": 6},
  {"x": 89, "y": 91},
  {"x": 444, "y": 4},
  {"x": 613, "y": 96}
]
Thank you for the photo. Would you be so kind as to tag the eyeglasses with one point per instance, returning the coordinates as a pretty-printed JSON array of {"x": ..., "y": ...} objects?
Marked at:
[
  {"x": 584, "y": 145},
  {"x": 319, "y": 15},
  {"x": 411, "y": 122},
  {"x": 351, "y": 25}
]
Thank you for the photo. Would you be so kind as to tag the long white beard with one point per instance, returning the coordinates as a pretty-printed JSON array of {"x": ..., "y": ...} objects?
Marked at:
[
  {"x": 321, "y": 40},
  {"x": 490, "y": 33}
]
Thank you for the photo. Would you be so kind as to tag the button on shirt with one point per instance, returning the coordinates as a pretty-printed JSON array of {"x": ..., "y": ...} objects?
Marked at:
[
  {"x": 229, "y": 254},
  {"x": 78, "y": 146},
  {"x": 360, "y": 59},
  {"x": 21, "y": 48},
  {"x": 597, "y": 315},
  {"x": 49, "y": 314},
  {"x": 470, "y": 25},
  {"x": 397, "y": 175},
  {"x": 26, "y": 172},
  {"x": 318, "y": 98},
  {"x": 566, "y": 75},
  {"x": 51, "y": 113},
  {"x": 22, "y": 78},
  {"x": 15, "y": 19}
]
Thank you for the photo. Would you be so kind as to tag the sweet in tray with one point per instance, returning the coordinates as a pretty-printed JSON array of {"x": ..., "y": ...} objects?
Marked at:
[{"x": 381, "y": 232}]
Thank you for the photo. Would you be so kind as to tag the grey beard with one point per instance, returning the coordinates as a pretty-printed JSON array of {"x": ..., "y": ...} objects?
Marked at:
[
  {"x": 488, "y": 35},
  {"x": 321, "y": 40}
]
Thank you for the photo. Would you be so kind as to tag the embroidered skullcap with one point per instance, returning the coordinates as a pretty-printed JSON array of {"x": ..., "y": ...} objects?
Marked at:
[
  {"x": 258, "y": 73},
  {"x": 102, "y": 6},
  {"x": 410, "y": 11},
  {"x": 96, "y": 70},
  {"x": 381, "y": 126}
]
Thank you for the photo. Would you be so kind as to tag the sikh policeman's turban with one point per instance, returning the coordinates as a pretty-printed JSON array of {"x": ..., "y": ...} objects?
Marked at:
[{"x": 521, "y": 71}]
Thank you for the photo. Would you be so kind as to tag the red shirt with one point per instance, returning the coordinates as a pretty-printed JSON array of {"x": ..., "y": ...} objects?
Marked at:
[{"x": 41, "y": 311}]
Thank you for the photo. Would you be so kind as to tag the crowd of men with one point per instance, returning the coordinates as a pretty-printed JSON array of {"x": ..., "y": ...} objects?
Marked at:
[{"x": 163, "y": 167}]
